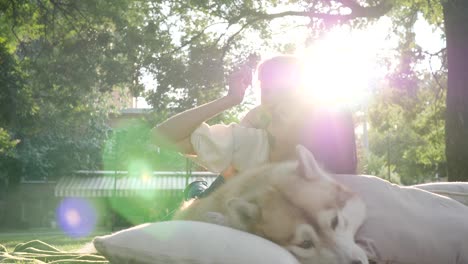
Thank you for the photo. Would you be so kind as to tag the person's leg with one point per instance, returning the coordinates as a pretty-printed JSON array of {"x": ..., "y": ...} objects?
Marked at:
[{"x": 200, "y": 189}]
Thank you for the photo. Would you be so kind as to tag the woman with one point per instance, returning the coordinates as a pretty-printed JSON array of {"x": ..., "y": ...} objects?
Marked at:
[{"x": 269, "y": 132}]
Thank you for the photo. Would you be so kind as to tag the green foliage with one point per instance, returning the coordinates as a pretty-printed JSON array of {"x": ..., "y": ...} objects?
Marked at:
[
  {"x": 6, "y": 143},
  {"x": 378, "y": 166},
  {"x": 409, "y": 132},
  {"x": 54, "y": 138},
  {"x": 430, "y": 9},
  {"x": 50, "y": 100}
]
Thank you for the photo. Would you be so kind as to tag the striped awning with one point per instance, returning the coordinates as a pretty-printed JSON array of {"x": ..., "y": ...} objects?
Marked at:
[{"x": 125, "y": 185}]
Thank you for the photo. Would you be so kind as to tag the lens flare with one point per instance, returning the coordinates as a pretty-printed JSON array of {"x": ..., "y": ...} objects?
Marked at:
[
  {"x": 145, "y": 177},
  {"x": 76, "y": 217},
  {"x": 73, "y": 218},
  {"x": 340, "y": 69}
]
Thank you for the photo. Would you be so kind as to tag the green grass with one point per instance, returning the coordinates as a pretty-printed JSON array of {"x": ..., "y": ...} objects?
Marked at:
[{"x": 60, "y": 241}]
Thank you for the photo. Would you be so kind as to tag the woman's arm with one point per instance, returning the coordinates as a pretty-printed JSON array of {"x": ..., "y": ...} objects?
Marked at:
[
  {"x": 183, "y": 124},
  {"x": 177, "y": 129}
]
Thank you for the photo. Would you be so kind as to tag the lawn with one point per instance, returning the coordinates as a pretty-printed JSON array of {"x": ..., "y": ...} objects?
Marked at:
[{"x": 54, "y": 238}]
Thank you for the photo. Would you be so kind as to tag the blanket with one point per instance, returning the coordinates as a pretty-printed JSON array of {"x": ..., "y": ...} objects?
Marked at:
[{"x": 38, "y": 252}]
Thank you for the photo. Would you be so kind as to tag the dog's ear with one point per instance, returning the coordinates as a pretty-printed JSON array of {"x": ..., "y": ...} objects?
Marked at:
[
  {"x": 343, "y": 195},
  {"x": 244, "y": 210},
  {"x": 308, "y": 166},
  {"x": 215, "y": 218}
]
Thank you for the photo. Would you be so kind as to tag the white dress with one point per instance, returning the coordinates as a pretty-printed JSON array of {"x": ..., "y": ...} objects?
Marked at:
[{"x": 218, "y": 147}]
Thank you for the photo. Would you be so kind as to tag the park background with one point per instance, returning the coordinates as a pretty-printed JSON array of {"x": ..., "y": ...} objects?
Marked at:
[{"x": 83, "y": 82}]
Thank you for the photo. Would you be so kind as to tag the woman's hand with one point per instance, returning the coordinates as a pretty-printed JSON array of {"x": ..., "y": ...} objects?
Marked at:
[{"x": 239, "y": 81}]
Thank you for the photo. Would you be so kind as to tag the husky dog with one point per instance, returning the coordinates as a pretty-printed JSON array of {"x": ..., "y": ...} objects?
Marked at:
[{"x": 294, "y": 204}]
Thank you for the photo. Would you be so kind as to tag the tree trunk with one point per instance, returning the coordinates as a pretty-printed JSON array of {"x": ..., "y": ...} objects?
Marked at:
[{"x": 456, "y": 126}]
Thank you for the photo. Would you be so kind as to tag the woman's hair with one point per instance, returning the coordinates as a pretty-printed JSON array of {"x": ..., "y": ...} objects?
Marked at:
[
  {"x": 282, "y": 67},
  {"x": 329, "y": 135}
]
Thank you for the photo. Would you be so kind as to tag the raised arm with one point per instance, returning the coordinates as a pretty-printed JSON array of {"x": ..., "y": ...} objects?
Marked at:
[{"x": 177, "y": 129}]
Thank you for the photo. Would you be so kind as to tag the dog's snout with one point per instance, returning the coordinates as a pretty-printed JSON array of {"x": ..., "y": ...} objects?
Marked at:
[{"x": 356, "y": 262}]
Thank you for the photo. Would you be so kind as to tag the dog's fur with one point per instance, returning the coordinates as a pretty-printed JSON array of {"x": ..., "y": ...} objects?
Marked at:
[{"x": 294, "y": 204}]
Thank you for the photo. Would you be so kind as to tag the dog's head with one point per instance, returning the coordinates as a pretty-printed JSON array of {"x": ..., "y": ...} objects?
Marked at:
[{"x": 305, "y": 211}]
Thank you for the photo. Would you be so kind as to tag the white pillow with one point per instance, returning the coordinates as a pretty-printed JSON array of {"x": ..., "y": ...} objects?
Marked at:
[
  {"x": 455, "y": 190},
  {"x": 408, "y": 224},
  {"x": 189, "y": 242}
]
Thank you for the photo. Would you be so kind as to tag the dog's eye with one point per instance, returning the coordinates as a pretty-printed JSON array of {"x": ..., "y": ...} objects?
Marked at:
[
  {"x": 306, "y": 244},
  {"x": 334, "y": 222}
]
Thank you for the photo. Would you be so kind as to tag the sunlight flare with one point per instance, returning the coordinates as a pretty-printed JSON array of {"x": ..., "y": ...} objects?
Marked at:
[{"x": 339, "y": 68}]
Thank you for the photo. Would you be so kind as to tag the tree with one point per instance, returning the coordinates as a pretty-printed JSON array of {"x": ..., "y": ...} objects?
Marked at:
[
  {"x": 54, "y": 99},
  {"x": 456, "y": 129},
  {"x": 406, "y": 134}
]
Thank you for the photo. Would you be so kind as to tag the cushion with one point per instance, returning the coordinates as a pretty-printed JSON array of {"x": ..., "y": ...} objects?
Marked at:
[
  {"x": 455, "y": 190},
  {"x": 408, "y": 224},
  {"x": 189, "y": 242}
]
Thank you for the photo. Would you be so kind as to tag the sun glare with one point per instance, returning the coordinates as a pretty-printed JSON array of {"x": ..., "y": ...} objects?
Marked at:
[{"x": 338, "y": 69}]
